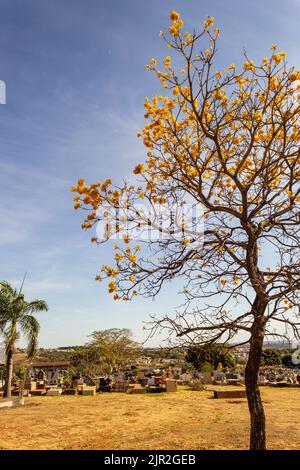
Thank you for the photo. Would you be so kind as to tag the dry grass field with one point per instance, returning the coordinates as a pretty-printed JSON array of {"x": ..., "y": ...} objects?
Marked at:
[{"x": 182, "y": 420}]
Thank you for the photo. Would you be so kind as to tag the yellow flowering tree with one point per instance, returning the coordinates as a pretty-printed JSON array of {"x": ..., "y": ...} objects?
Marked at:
[{"x": 229, "y": 140}]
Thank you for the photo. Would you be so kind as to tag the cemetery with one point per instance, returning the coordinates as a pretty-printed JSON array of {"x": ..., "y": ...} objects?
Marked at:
[
  {"x": 56, "y": 379},
  {"x": 182, "y": 420},
  {"x": 145, "y": 404}
]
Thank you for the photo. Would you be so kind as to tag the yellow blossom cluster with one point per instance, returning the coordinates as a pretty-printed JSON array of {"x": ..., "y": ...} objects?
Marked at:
[
  {"x": 249, "y": 65},
  {"x": 177, "y": 24},
  {"x": 279, "y": 57},
  {"x": 229, "y": 140},
  {"x": 210, "y": 21},
  {"x": 295, "y": 75}
]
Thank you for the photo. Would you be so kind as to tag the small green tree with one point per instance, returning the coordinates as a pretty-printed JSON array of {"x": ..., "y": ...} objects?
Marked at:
[
  {"x": 16, "y": 315},
  {"x": 86, "y": 360},
  {"x": 67, "y": 377},
  {"x": 206, "y": 367},
  {"x": 287, "y": 359},
  {"x": 116, "y": 348},
  {"x": 21, "y": 374},
  {"x": 207, "y": 358},
  {"x": 271, "y": 357}
]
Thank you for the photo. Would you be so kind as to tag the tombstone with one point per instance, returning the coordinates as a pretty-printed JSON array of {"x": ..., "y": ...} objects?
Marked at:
[
  {"x": 219, "y": 378},
  {"x": 262, "y": 379},
  {"x": 40, "y": 385},
  {"x": 120, "y": 384},
  {"x": 87, "y": 391},
  {"x": 30, "y": 385},
  {"x": 206, "y": 378},
  {"x": 232, "y": 378},
  {"x": 69, "y": 391},
  {"x": 54, "y": 392},
  {"x": 171, "y": 385},
  {"x": 143, "y": 381},
  {"x": 38, "y": 392},
  {"x": 104, "y": 385},
  {"x": 158, "y": 380},
  {"x": 89, "y": 381},
  {"x": 177, "y": 371},
  {"x": 185, "y": 378},
  {"x": 155, "y": 389},
  {"x": 151, "y": 380},
  {"x": 135, "y": 389},
  {"x": 271, "y": 377},
  {"x": 230, "y": 393},
  {"x": 79, "y": 381}
]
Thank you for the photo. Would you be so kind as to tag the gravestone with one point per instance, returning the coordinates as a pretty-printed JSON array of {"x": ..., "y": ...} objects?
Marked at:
[
  {"x": 155, "y": 389},
  {"x": 30, "y": 384},
  {"x": 135, "y": 389},
  {"x": 120, "y": 385},
  {"x": 230, "y": 394},
  {"x": 185, "y": 378},
  {"x": 151, "y": 380},
  {"x": 89, "y": 391},
  {"x": 69, "y": 391},
  {"x": 171, "y": 385},
  {"x": 40, "y": 385},
  {"x": 219, "y": 378},
  {"x": 206, "y": 378},
  {"x": 38, "y": 393},
  {"x": 233, "y": 378},
  {"x": 104, "y": 384},
  {"x": 54, "y": 392},
  {"x": 262, "y": 379}
]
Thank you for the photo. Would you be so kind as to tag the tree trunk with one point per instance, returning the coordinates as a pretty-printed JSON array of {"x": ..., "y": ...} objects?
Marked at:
[
  {"x": 21, "y": 388},
  {"x": 256, "y": 410},
  {"x": 9, "y": 373}
]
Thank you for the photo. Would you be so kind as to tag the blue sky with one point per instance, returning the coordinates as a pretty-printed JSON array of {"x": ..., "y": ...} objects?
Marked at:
[{"x": 75, "y": 78}]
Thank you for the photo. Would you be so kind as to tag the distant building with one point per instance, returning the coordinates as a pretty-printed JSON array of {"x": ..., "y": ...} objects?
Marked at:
[{"x": 51, "y": 372}]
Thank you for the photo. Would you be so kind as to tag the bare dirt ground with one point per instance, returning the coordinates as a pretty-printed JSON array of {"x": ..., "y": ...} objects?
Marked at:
[{"x": 182, "y": 420}]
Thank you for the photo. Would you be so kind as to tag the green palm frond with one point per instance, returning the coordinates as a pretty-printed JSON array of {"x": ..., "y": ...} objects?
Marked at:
[
  {"x": 10, "y": 337},
  {"x": 35, "y": 306},
  {"x": 7, "y": 289},
  {"x": 30, "y": 327},
  {"x": 3, "y": 323},
  {"x": 14, "y": 311}
]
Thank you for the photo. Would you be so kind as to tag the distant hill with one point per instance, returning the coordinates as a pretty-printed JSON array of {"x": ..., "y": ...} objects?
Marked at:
[
  {"x": 64, "y": 353},
  {"x": 280, "y": 344},
  {"x": 274, "y": 345}
]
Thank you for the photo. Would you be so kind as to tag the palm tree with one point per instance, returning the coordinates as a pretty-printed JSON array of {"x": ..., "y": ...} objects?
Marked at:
[{"x": 16, "y": 316}]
